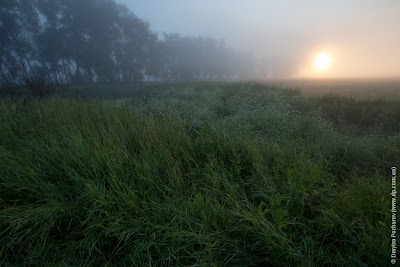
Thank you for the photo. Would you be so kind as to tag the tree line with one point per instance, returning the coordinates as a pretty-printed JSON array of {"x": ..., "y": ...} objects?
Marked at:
[{"x": 100, "y": 41}]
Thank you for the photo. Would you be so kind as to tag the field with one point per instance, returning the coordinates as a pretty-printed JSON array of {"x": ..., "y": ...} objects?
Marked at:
[
  {"x": 203, "y": 174},
  {"x": 361, "y": 89}
]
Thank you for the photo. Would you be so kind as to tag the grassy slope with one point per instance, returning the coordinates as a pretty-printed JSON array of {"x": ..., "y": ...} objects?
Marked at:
[{"x": 237, "y": 174}]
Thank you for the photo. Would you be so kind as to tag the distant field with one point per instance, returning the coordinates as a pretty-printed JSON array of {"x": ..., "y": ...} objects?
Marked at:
[
  {"x": 387, "y": 89},
  {"x": 199, "y": 174},
  {"x": 363, "y": 89}
]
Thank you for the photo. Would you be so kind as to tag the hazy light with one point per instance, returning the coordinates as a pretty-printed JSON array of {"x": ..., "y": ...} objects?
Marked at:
[
  {"x": 322, "y": 61},
  {"x": 361, "y": 36}
]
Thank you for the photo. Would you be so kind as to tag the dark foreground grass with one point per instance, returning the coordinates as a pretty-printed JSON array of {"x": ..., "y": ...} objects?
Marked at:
[{"x": 100, "y": 183}]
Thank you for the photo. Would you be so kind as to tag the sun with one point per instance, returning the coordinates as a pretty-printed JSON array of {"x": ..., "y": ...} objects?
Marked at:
[{"x": 322, "y": 61}]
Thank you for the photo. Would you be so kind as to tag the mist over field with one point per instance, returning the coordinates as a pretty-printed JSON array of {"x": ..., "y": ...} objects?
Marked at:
[
  {"x": 199, "y": 133},
  {"x": 363, "y": 36},
  {"x": 127, "y": 41}
]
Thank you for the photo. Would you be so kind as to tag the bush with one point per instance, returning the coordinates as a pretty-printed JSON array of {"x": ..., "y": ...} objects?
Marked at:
[
  {"x": 37, "y": 84},
  {"x": 11, "y": 90},
  {"x": 41, "y": 85}
]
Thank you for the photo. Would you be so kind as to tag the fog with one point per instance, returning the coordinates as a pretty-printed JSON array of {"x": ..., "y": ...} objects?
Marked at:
[
  {"x": 125, "y": 41},
  {"x": 362, "y": 36}
]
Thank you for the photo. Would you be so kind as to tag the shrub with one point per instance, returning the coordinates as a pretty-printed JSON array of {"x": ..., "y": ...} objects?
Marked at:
[{"x": 41, "y": 84}]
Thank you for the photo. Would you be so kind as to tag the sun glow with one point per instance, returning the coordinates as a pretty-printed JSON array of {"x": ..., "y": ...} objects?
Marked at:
[{"x": 322, "y": 62}]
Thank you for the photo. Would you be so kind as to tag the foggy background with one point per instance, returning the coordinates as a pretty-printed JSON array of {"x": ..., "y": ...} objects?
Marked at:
[
  {"x": 363, "y": 36},
  {"x": 126, "y": 41}
]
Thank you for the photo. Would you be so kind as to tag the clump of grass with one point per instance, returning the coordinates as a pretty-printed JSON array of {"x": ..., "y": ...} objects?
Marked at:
[
  {"x": 360, "y": 116},
  {"x": 169, "y": 181}
]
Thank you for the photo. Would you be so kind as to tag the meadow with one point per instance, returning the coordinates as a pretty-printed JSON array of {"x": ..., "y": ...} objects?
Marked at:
[
  {"x": 199, "y": 174},
  {"x": 387, "y": 89}
]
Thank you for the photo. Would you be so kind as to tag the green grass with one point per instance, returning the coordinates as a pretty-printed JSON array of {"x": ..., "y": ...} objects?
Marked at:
[
  {"x": 193, "y": 174},
  {"x": 364, "y": 116}
]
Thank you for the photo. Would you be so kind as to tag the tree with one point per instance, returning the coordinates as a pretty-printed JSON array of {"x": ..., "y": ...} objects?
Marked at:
[{"x": 110, "y": 45}]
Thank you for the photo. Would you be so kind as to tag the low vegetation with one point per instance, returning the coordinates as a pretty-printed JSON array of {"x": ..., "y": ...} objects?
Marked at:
[{"x": 241, "y": 174}]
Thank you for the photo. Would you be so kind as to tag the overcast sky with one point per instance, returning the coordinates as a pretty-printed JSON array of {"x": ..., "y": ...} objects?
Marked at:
[{"x": 362, "y": 36}]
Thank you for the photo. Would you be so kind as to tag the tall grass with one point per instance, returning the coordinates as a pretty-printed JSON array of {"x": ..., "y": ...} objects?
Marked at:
[{"x": 240, "y": 174}]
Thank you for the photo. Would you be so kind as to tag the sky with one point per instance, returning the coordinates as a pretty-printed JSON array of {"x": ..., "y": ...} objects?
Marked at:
[{"x": 360, "y": 37}]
